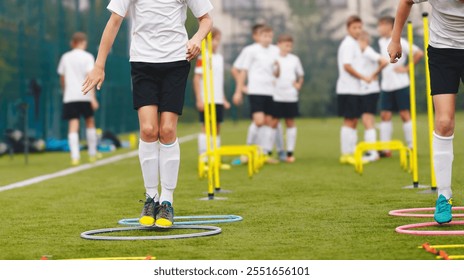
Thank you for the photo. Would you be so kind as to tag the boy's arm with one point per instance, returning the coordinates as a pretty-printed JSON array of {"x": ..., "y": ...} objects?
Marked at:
[
  {"x": 62, "y": 84},
  {"x": 299, "y": 82},
  {"x": 394, "y": 49},
  {"x": 197, "y": 90},
  {"x": 383, "y": 62},
  {"x": 348, "y": 68},
  {"x": 238, "y": 95},
  {"x": 194, "y": 45},
  {"x": 97, "y": 75}
]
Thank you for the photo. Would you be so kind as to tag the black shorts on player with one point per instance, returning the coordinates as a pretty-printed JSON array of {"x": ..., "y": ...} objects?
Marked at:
[
  {"x": 261, "y": 103},
  {"x": 160, "y": 84},
  {"x": 369, "y": 103},
  {"x": 397, "y": 100},
  {"x": 219, "y": 114},
  {"x": 76, "y": 110},
  {"x": 349, "y": 106},
  {"x": 285, "y": 110},
  {"x": 446, "y": 70}
]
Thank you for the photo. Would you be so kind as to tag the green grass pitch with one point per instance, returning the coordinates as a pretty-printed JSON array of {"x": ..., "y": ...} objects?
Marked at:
[{"x": 312, "y": 209}]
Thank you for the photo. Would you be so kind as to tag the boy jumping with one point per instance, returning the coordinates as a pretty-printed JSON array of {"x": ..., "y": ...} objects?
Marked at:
[
  {"x": 446, "y": 62},
  {"x": 160, "y": 58}
]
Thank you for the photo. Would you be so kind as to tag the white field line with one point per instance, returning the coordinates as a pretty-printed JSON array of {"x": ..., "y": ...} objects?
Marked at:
[{"x": 80, "y": 168}]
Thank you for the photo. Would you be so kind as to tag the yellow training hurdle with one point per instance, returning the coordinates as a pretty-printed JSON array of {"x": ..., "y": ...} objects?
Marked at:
[{"x": 395, "y": 145}]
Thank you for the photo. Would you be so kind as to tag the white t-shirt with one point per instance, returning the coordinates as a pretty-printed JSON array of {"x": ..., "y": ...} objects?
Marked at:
[
  {"x": 391, "y": 80},
  {"x": 366, "y": 66},
  {"x": 290, "y": 70},
  {"x": 240, "y": 60},
  {"x": 348, "y": 53},
  {"x": 74, "y": 66},
  {"x": 158, "y": 27},
  {"x": 218, "y": 77},
  {"x": 259, "y": 62},
  {"x": 446, "y": 24}
]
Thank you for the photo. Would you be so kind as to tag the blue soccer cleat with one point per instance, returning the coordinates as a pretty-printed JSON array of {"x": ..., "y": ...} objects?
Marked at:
[{"x": 443, "y": 210}]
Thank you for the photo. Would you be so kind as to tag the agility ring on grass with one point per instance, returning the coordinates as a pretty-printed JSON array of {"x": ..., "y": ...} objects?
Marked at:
[
  {"x": 413, "y": 212},
  {"x": 409, "y": 229},
  {"x": 195, "y": 220},
  {"x": 95, "y": 234}
]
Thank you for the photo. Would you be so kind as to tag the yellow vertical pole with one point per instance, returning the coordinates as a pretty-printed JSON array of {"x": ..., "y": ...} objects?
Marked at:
[
  {"x": 206, "y": 102},
  {"x": 412, "y": 93},
  {"x": 430, "y": 113},
  {"x": 217, "y": 164}
]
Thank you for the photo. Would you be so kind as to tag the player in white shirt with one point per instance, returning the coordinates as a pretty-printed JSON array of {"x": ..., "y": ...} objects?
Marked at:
[
  {"x": 160, "y": 56},
  {"x": 395, "y": 86},
  {"x": 219, "y": 95},
  {"x": 446, "y": 62},
  {"x": 73, "y": 68},
  {"x": 371, "y": 64},
  {"x": 286, "y": 89},
  {"x": 260, "y": 68}
]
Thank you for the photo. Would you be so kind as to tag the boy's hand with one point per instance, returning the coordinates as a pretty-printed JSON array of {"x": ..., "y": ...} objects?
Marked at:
[
  {"x": 200, "y": 106},
  {"x": 237, "y": 99},
  {"x": 401, "y": 69},
  {"x": 94, "y": 78},
  {"x": 95, "y": 105},
  {"x": 297, "y": 85},
  {"x": 367, "y": 79},
  {"x": 394, "y": 51},
  {"x": 226, "y": 105},
  {"x": 193, "y": 49}
]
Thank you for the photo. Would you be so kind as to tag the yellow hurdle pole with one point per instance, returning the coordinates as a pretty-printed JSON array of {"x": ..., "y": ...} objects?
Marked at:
[
  {"x": 412, "y": 94},
  {"x": 430, "y": 113},
  {"x": 207, "y": 117},
  {"x": 217, "y": 164}
]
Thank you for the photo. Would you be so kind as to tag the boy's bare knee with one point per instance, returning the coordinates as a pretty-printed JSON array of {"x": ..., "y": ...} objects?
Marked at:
[
  {"x": 148, "y": 132},
  {"x": 444, "y": 126},
  {"x": 167, "y": 134}
]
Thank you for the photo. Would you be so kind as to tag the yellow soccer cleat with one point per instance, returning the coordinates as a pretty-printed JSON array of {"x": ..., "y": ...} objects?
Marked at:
[
  {"x": 75, "y": 162},
  {"x": 147, "y": 218},
  {"x": 347, "y": 159},
  {"x": 165, "y": 215}
]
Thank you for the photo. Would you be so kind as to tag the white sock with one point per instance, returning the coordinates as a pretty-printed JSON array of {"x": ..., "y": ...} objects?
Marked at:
[
  {"x": 345, "y": 140},
  {"x": 92, "y": 139},
  {"x": 169, "y": 162},
  {"x": 149, "y": 154},
  {"x": 353, "y": 140},
  {"x": 272, "y": 132},
  {"x": 259, "y": 139},
  {"x": 443, "y": 163},
  {"x": 407, "y": 128},
  {"x": 279, "y": 142},
  {"x": 73, "y": 141},
  {"x": 252, "y": 134},
  {"x": 291, "y": 139},
  {"x": 201, "y": 143},
  {"x": 218, "y": 141},
  {"x": 386, "y": 131},
  {"x": 370, "y": 136}
]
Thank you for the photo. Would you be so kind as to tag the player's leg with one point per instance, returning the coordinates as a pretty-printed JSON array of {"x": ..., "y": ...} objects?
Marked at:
[
  {"x": 269, "y": 136},
  {"x": 219, "y": 120},
  {"x": 73, "y": 140},
  {"x": 202, "y": 135},
  {"x": 348, "y": 108},
  {"x": 386, "y": 114},
  {"x": 404, "y": 105},
  {"x": 368, "y": 119},
  {"x": 91, "y": 131},
  {"x": 257, "y": 120},
  {"x": 279, "y": 142},
  {"x": 291, "y": 139}
]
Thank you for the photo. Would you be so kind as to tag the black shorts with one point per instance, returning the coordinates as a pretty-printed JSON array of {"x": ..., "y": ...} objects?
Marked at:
[
  {"x": 369, "y": 103},
  {"x": 285, "y": 110},
  {"x": 160, "y": 84},
  {"x": 397, "y": 100},
  {"x": 219, "y": 114},
  {"x": 446, "y": 69},
  {"x": 74, "y": 110},
  {"x": 349, "y": 106},
  {"x": 261, "y": 104}
]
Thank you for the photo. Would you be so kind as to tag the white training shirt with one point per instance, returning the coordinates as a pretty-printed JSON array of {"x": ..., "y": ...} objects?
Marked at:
[
  {"x": 290, "y": 70},
  {"x": 218, "y": 77},
  {"x": 158, "y": 27},
  {"x": 392, "y": 80},
  {"x": 446, "y": 24},
  {"x": 74, "y": 66},
  {"x": 259, "y": 62},
  {"x": 348, "y": 53},
  {"x": 366, "y": 66},
  {"x": 240, "y": 60}
]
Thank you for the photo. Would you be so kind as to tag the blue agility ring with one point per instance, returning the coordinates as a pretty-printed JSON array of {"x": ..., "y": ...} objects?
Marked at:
[{"x": 197, "y": 220}]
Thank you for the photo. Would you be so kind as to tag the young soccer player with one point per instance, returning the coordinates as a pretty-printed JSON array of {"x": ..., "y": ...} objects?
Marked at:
[
  {"x": 371, "y": 64},
  {"x": 285, "y": 96},
  {"x": 395, "y": 86},
  {"x": 446, "y": 62},
  {"x": 160, "y": 58},
  {"x": 73, "y": 67},
  {"x": 219, "y": 96},
  {"x": 260, "y": 68}
]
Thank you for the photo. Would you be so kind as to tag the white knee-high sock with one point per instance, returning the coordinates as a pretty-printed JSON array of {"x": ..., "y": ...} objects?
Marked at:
[
  {"x": 73, "y": 141},
  {"x": 291, "y": 139},
  {"x": 279, "y": 142},
  {"x": 407, "y": 128},
  {"x": 443, "y": 163},
  {"x": 386, "y": 131},
  {"x": 353, "y": 140},
  {"x": 370, "y": 136},
  {"x": 149, "y": 154},
  {"x": 252, "y": 134},
  {"x": 201, "y": 143},
  {"x": 218, "y": 141},
  {"x": 272, "y": 135},
  {"x": 169, "y": 162},
  {"x": 345, "y": 140},
  {"x": 92, "y": 139}
]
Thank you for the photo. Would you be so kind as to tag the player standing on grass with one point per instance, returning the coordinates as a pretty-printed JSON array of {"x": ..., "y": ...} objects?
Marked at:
[
  {"x": 160, "y": 58},
  {"x": 446, "y": 62},
  {"x": 73, "y": 67},
  {"x": 220, "y": 99},
  {"x": 395, "y": 86}
]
